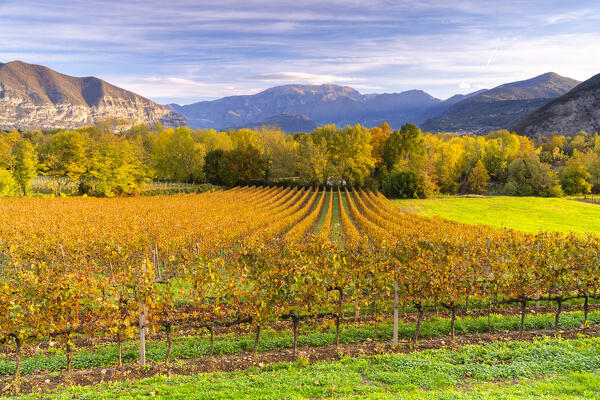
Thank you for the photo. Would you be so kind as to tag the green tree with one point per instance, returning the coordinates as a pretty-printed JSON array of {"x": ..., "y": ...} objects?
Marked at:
[
  {"x": 115, "y": 167},
  {"x": 25, "y": 164},
  {"x": 314, "y": 165},
  {"x": 352, "y": 154},
  {"x": 575, "y": 178},
  {"x": 407, "y": 184},
  {"x": 8, "y": 185},
  {"x": 591, "y": 160},
  {"x": 8, "y": 140},
  {"x": 280, "y": 153},
  {"x": 405, "y": 149},
  {"x": 213, "y": 166},
  {"x": 477, "y": 180},
  {"x": 243, "y": 165},
  {"x": 527, "y": 176},
  {"x": 64, "y": 158},
  {"x": 178, "y": 156}
]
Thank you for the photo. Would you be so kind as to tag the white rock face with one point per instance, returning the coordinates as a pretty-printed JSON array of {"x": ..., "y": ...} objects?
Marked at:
[
  {"x": 18, "y": 113},
  {"x": 581, "y": 113}
]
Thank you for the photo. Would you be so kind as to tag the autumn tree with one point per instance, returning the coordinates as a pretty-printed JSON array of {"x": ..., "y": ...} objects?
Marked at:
[
  {"x": 477, "y": 180},
  {"x": 352, "y": 154},
  {"x": 500, "y": 148},
  {"x": 379, "y": 135},
  {"x": 405, "y": 149},
  {"x": 25, "y": 164},
  {"x": 178, "y": 156},
  {"x": 529, "y": 177},
  {"x": 242, "y": 165},
  {"x": 575, "y": 178},
  {"x": 314, "y": 164},
  {"x": 114, "y": 167},
  {"x": 8, "y": 140},
  {"x": 8, "y": 185},
  {"x": 64, "y": 158}
]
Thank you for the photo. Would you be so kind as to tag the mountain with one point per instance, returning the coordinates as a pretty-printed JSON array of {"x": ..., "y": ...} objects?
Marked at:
[
  {"x": 286, "y": 122},
  {"x": 324, "y": 104},
  {"x": 35, "y": 97},
  {"x": 500, "y": 107},
  {"x": 449, "y": 102},
  {"x": 578, "y": 109}
]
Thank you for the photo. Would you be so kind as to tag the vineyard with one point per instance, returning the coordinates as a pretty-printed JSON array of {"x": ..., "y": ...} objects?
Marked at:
[{"x": 115, "y": 268}]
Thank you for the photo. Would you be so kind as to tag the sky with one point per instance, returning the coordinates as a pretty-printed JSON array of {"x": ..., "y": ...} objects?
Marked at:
[{"x": 182, "y": 51}]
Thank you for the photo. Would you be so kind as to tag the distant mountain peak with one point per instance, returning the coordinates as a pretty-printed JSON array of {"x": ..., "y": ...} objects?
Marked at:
[
  {"x": 323, "y": 104},
  {"x": 557, "y": 83},
  {"x": 326, "y": 90}
]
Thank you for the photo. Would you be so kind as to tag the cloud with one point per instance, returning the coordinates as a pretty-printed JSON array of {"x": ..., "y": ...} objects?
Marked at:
[
  {"x": 299, "y": 77},
  {"x": 173, "y": 81},
  {"x": 568, "y": 16},
  {"x": 185, "y": 49},
  {"x": 179, "y": 90}
]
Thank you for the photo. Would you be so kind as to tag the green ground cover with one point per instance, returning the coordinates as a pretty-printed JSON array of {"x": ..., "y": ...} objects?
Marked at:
[
  {"x": 528, "y": 214},
  {"x": 546, "y": 369},
  {"x": 186, "y": 347}
]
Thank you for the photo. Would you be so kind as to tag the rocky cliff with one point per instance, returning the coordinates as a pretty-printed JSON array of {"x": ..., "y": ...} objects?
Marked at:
[
  {"x": 36, "y": 97},
  {"x": 577, "y": 110}
]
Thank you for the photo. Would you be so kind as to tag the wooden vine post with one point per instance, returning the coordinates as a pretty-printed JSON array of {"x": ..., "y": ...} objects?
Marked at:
[{"x": 143, "y": 322}]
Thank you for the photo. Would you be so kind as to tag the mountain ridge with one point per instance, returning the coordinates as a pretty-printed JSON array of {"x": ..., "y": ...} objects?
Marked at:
[
  {"x": 286, "y": 122},
  {"x": 36, "y": 97},
  {"x": 502, "y": 106},
  {"x": 324, "y": 104}
]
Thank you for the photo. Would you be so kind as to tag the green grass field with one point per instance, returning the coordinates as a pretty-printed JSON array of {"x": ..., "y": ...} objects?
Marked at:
[
  {"x": 528, "y": 214},
  {"x": 547, "y": 369}
]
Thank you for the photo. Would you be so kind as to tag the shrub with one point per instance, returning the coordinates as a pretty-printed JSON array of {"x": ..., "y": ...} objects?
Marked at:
[{"x": 407, "y": 184}]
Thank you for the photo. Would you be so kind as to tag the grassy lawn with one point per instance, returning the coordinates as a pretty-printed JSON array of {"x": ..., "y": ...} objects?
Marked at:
[
  {"x": 547, "y": 369},
  {"x": 528, "y": 214}
]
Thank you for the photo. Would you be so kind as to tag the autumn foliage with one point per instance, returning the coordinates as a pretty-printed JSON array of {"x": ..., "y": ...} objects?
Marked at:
[{"x": 108, "y": 267}]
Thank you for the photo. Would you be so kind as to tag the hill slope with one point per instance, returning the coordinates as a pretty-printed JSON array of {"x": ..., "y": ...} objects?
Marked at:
[
  {"x": 502, "y": 106},
  {"x": 324, "y": 104},
  {"x": 579, "y": 109},
  {"x": 36, "y": 97}
]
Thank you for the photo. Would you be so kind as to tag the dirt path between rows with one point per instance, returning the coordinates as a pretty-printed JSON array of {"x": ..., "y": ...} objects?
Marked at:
[{"x": 43, "y": 382}]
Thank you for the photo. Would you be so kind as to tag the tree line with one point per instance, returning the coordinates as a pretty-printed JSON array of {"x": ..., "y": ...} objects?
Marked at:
[{"x": 402, "y": 163}]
